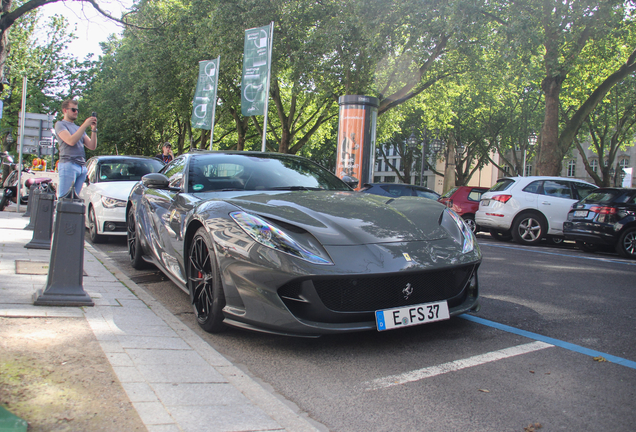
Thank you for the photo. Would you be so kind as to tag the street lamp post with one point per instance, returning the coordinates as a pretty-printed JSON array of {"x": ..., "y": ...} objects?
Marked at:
[
  {"x": 412, "y": 142},
  {"x": 532, "y": 140},
  {"x": 435, "y": 144},
  {"x": 424, "y": 163}
]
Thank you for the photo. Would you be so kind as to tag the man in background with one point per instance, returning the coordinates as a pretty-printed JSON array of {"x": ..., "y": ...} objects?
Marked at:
[
  {"x": 71, "y": 140},
  {"x": 166, "y": 155}
]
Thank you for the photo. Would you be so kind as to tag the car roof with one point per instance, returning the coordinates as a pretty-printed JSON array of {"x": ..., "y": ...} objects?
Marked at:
[
  {"x": 399, "y": 184},
  {"x": 104, "y": 158},
  {"x": 529, "y": 179},
  {"x": 616, "y": 189}
]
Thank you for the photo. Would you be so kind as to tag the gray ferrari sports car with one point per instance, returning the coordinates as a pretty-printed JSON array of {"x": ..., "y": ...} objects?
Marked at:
[{"x": 275, "y": 243}]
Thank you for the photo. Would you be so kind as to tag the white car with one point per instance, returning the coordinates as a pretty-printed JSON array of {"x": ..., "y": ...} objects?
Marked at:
[
  {"x": 529, "y": 209},
  {"x": 108, "y": 184}
]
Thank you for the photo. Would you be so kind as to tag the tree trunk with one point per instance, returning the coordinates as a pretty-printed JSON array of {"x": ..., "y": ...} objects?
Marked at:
[
  {"x": 550, "y": 160},
  {"x": 449, "y": 172}
]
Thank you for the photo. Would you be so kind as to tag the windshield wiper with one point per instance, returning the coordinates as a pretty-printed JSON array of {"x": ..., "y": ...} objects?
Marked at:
[{"x": 294, "y": 188}]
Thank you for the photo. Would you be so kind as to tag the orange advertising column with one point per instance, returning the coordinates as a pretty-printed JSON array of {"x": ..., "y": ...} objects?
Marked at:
[{"x": 355, "y": 154}]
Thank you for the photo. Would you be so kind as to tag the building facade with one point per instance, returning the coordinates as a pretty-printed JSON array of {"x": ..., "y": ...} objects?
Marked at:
[
  {"x": 573, "y": 167},
  {"x": 383, "y": 173}
]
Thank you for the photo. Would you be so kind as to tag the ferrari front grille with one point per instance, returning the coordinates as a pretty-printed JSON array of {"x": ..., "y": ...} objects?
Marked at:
[{"x": 373, "y": 292}]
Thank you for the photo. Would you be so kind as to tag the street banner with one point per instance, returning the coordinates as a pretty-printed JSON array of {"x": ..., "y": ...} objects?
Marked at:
[
  {"x": 204, "y": 102},
  {"x": 256, "y": 68},
  {"x": 355, "y": 152}
]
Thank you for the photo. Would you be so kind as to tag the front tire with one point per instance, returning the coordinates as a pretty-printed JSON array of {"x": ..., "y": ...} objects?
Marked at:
[
  {"x": 134, "y": 245},
  {"x": 626, "y": 246},
  {"x": 204, "y": 283},
  {"x": 92, "y": 228},
  {"x": 528, "y": 228}
]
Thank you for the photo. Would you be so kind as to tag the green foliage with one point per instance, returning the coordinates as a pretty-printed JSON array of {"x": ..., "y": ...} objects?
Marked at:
[
  {"x": 38, "y": 53},
  {"x": 474, "y": 70}
]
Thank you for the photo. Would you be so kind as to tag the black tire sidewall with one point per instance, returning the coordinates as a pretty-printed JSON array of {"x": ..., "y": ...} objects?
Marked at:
[
  {"x": 213, "y": 323},
  {"x": 136, "y": 260},
  {"x": 92, "y": 232}
]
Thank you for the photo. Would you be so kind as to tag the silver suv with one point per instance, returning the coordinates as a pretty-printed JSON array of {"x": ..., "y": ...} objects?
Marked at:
[{"x": 529, "y": 209}]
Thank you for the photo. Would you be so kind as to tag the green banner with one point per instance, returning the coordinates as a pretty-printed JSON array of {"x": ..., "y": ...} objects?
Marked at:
[
  {"x": 256, "y": 52},
  {"x": 204, "y": 102}
]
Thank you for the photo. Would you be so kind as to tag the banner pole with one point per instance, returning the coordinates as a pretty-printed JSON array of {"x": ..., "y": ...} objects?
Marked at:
[
  {"x": 21, "y": 132},
  {"x": 216, "y": 86},
  {"x": 269, "y": 73}
]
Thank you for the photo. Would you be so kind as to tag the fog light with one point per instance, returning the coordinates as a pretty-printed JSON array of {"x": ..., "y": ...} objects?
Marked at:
[{"x": 110, "y": 226}]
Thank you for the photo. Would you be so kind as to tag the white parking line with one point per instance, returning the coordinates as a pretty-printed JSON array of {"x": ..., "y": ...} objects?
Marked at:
[{"x": 477, "y": 360}]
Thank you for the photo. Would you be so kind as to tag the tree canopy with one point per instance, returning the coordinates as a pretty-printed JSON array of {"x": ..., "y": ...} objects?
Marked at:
[{"x": 485, "y": 74}]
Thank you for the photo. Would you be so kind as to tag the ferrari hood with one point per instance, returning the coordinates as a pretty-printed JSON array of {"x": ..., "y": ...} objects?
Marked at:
[{"x": 348, "y": 218}]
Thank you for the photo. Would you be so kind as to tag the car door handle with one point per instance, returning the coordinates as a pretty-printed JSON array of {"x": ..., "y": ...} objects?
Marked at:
[{"x": 545, "y": 203}]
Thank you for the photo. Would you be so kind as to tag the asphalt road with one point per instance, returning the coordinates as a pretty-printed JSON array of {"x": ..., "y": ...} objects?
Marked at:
[{"x": 550, "y": 318}]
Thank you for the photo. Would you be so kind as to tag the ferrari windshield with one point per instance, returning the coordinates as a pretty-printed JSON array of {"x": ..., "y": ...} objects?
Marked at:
[{"x": 258, "y": 171}]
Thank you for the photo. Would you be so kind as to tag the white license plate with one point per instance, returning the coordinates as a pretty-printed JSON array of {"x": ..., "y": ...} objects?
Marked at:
[
  {"x": 485, "y": 202},
  {"x": 580, "y": 213},
  {"x": 406, "y": 316}
]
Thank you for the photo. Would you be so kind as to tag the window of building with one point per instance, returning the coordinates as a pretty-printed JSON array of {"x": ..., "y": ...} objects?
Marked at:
[
  {"x": 528, "y": 170},
  {"x": 389, "y": 179},
  {"x": 624, "y": 162},
  {"x": 594, "y": 165},
  {"x": 571, "y": 168}
]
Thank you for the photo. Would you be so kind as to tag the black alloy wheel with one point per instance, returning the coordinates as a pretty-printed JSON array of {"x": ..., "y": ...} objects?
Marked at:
[
  {"x": 92, "y": 228},
  {"x": 528, "y": 228},
  {"x": 626, "y": 246},
  {"x": 134, "y": 246},
  {"x": 204, "y": 283}
]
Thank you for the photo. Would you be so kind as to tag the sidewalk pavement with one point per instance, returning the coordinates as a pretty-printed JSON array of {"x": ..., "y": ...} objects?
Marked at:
[{"x": 174, "y": 379}]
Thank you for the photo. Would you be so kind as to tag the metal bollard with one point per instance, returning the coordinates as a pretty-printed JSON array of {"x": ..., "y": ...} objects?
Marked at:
[
  {"x": 27, "y": 213},
  {"x": 35, "y": 197},
  {"x": 64, "y": 285},
  {"x": 43, "y": 226}
]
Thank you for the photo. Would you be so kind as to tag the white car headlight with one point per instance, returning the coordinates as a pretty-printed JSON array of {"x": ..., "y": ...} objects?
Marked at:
[
  {"x": 271, "y": 236},
  {"x": 468, "y": 238},
  {"x": 112, "y": 202}
]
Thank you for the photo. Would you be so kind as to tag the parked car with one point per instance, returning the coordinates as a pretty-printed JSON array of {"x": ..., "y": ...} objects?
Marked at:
[
  {"x": 529, "y": 209},
  {"x": 606, "y": 217},
  {"x": 108, "y": 184},
  {"x": 399, "y": 189},
  {"x": 464, "y": 200},
  {"x": 275, "y": 243}
]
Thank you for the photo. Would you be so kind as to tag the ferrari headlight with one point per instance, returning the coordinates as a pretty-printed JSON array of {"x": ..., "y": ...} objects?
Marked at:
[
  {"x": 271, "y": 236},
  {"x": 112, "y": 202},
  {"x": 468, "y": 239}
]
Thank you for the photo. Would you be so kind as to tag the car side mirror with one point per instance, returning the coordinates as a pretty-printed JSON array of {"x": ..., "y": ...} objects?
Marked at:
[
  {"x": 155, "y": 181},
  {"x": 352, "y": 182},
  {"x": 158, "y": 181}
]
